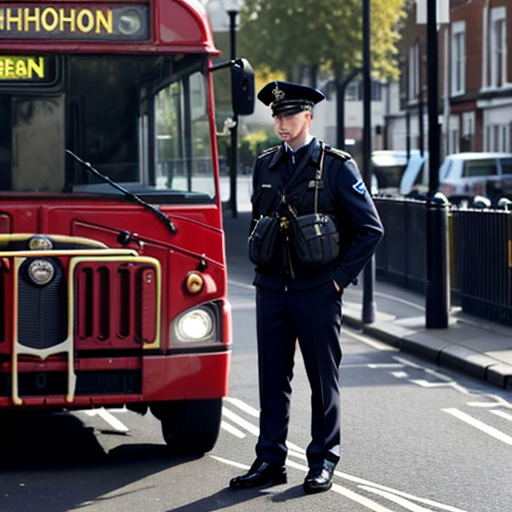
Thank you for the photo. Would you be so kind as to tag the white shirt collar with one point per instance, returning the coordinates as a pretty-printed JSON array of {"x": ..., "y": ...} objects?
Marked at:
[{"x": 309, "y": 138}]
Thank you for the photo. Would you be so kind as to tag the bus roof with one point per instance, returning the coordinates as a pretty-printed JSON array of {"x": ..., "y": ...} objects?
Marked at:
[{"x": 124, "y": 26}]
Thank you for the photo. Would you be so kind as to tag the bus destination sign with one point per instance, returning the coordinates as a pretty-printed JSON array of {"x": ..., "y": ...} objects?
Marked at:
[
  {"x": 86, "y": 22},
  {"x": 27, "y": 69},
  {"x": 21, "y": 68}
]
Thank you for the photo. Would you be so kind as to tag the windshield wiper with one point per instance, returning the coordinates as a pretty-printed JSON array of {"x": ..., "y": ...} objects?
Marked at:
[{"x": 134, "y": 197}]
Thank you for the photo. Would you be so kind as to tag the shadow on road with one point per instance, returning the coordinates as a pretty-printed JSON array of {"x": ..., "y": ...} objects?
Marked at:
[
  {"x": 229, "y": 497},
  {"x": 54, "y": 463}
]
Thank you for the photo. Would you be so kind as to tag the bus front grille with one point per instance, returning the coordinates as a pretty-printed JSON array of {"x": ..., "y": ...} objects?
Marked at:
[
  {"x": 115, "y": 304},
  {"x": 42, "y": 310}
]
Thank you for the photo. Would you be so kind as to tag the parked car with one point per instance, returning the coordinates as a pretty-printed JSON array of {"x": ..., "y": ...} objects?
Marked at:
[
  {"x": 388, "y": 167},
  {"x": 462, "y": 176}
]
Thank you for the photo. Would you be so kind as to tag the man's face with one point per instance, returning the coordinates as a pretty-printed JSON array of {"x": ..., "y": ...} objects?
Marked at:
[{"x": 292, "y": 128}]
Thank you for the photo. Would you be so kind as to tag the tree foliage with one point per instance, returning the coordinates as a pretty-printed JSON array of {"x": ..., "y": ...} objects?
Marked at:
[{"x": 283, "y": 35}]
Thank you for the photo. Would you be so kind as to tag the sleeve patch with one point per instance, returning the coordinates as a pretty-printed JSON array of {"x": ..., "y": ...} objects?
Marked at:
[{"x": 359, "y": 187}]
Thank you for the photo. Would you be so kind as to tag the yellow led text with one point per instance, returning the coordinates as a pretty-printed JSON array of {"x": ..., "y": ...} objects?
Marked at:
[{"x": 21, "y": 68}]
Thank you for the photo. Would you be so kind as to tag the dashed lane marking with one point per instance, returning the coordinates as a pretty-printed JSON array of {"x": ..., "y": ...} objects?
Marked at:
[{"x": 491, "y": 431}]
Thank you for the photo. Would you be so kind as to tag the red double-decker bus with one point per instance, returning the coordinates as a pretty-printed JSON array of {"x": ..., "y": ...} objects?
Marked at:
[{"x": 112, "y": 259}]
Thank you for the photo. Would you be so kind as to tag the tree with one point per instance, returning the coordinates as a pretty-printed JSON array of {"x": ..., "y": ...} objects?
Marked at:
[
  {"x": 284, "y": 35},
  {"x": 326, "y": 34}
]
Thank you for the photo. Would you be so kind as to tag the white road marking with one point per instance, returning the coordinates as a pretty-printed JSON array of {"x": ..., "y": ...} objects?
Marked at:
[
  {"x": 384, "y": 365},
  {"x": 405, "y": 362},
  {"x": 296, "y": 450},
  {"x": 409, "y": 505},
  {"x": 447, "y": 384},
  {"x": 482, "y": 404},
  {"x": 351, "y": 495},
  {"x": 230, "y": 462},
  {"x": 370, "y": 366},
  {"x": 401, "y": 498},
  {"x": 430, "y": 503},
  {"x": 491, "y": 431},
  {"x": 240, "y": 285},
  {"x": 426, "y": 384},
  {"x": 252, "y": 429},
  {"x": 241, "y": 422},
  {"x": 109, "y": 418},
  {"x": 366, "y": 502},
  {"x": 400, "y": 375},
  {"x": 232, "y": 430},
  {"x": 243, "y": 406},
  {"x": 296, "y": 454},
  {"x": 503, "y": 414}
]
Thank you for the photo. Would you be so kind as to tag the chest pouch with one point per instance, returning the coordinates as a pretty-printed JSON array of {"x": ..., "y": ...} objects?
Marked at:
[
  {"x": 314, "y": 239},
  {"x": 263, "y": 239}
]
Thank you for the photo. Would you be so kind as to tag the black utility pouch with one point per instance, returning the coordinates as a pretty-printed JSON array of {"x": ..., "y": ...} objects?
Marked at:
[
  {"x": 262, "y": 240},
  {"x": 315, "y": 239}
]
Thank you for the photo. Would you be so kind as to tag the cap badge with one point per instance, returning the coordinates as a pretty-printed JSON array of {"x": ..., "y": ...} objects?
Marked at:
[{"x": 278, "y": 93}]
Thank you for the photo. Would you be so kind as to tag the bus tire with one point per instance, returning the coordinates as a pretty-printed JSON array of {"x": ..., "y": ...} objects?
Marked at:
[{"x": 191, "y": 427}]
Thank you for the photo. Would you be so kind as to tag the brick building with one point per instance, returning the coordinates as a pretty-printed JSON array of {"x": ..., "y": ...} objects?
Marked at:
[{"x": 475, "y": 80}]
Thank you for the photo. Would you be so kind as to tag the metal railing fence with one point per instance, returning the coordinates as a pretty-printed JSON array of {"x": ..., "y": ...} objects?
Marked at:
[{"x": 480, "y": 255}]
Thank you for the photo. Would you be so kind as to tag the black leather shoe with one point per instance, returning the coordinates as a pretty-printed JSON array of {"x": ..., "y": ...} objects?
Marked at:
[
  {"x": 319, "y": 479},
  {"x": 261, "y": 473}
]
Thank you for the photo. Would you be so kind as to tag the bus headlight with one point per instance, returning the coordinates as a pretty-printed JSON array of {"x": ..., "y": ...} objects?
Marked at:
[
  {"x": 41, "y": 272},
  {"x": 196, "y": 325}
]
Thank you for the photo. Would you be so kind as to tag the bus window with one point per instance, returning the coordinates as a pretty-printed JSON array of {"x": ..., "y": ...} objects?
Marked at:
[
  {"x": 181, "y": 116},
  {"x": 37, "y": 124},
  {"x": 140, "y": 120},
  {"x": 102, "y": 116}
]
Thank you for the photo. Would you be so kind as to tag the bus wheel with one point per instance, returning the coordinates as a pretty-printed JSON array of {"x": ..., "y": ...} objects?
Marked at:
[{"x": 191, "y": 426}]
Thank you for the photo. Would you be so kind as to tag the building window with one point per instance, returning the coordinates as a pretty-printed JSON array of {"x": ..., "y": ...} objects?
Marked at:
[
  {"x": 352, "y": 92},
  {"x": 454, "y": 129},
  {"x": 498, "y": 137},
  {"x": 498, "y": 47},
  {"x": 458, "y": 58},
  {"x": 355, "y": 91},
  {"x": 414, "y": 71},
  {"x": 468, "y": 131}
]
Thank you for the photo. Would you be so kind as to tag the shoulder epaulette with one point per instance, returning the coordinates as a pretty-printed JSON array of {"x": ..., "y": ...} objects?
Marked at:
[
  {"x": 269, "y": 151},
  {"x": 343, "y": 155}
]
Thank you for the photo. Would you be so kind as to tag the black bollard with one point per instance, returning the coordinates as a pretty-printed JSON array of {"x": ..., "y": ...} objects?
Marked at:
[{"x": 438, "y": 268}]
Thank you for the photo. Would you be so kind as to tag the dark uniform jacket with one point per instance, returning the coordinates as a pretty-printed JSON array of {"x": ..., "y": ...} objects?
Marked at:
[{"x": 341, "y": 195}]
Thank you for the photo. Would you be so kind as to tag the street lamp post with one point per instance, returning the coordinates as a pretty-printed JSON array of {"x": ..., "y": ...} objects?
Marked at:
[
  {"x": 232, "y": 8},
  {"x": 438, "y": 288},
  {"x": 368, "y": 315}
]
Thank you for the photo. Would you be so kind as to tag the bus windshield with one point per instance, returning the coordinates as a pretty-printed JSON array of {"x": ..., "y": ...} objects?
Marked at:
[{"x": 141, "y": 120}]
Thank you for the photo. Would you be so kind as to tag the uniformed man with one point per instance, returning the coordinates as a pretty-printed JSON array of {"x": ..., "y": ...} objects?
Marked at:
[{"x": 294, "y": 302}]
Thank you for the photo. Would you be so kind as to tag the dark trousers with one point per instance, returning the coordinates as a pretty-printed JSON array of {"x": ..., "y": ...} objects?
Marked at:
[{"x": 313, "y": 317}]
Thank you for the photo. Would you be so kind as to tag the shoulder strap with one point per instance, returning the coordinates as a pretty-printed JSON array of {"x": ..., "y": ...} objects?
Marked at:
[
  {"x": 342, "y": 155},
  {"x": 268, "y": 151},
  {"x": 318, "y": 178}
]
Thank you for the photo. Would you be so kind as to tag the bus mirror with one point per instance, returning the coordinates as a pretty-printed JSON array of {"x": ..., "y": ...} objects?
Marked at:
[{"x": 242, "y": 87}]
